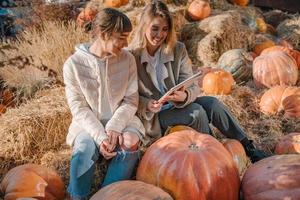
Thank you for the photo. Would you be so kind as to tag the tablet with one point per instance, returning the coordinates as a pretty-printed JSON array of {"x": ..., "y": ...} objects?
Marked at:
[{"x": 184, "y": 84}]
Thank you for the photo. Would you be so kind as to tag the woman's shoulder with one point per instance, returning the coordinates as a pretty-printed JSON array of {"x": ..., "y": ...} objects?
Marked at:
[{"x": 179, "y": 46}]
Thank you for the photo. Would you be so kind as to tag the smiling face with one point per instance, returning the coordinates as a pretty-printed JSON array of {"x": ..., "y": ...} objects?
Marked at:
[
  {"x": 115, "y": 42},
  {"x": 157, "y": 32}
]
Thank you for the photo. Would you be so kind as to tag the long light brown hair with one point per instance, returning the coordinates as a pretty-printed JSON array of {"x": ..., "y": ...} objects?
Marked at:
[{"x": 152, "y": 10}]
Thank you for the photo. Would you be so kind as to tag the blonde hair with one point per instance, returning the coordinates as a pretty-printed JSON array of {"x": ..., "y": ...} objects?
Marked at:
[
  {"x": 109, "y": 20},
  {"x": 152, "y": 10}
]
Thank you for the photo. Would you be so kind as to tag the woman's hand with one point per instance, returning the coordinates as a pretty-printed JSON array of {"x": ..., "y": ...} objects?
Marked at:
[
  {"x": 154, "y": 106},
  {"x": 104, "y": 146},
  {"x": 113, "y": 138},
  {"x": 177, "y": 96}
]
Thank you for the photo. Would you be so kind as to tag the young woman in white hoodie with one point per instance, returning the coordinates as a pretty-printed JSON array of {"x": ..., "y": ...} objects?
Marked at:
[{"x": 102, "y": 93}]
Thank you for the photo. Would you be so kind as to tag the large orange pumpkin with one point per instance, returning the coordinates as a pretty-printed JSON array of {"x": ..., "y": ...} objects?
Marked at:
[
  {"x": 218, "y": 82},
  {"x": 237, "y": 151},
  {"x": 275, "y": 68},
  {"x": 240, "y": 2},
  {"x": 199, "y": 9},
  {"x": 271, "y": 100},
  {"x": 288, "y": 144},
  {"x": 293, "y": 53},
  {"x": 130, "y": 190},
  {"x": 291, "y": 106},
  {"x": 190, "y": 165},
  {"x": 32, "y": 181},
  {"x": 273, "y": 178},
  {"x": 116, "y": 3}
]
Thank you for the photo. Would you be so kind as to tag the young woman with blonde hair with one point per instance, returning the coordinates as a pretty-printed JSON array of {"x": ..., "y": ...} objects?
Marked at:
[
  {"x": 102, "y": 93},
  {"x": 163, "y": 62}
]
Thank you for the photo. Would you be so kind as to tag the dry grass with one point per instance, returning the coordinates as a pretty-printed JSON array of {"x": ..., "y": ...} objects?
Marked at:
[
  {"x": 51, "y": 46},
  {"x": 290, "y": 31},
  {"x": 33, "y": 129}
]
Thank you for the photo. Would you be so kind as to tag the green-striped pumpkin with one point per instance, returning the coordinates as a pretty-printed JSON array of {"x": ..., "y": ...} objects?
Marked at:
[{"x": 239, "y": 63}]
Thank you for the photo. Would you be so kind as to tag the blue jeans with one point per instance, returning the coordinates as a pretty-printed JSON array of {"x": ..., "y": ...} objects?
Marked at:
[
  {"x": 82, "y": 169},
  {"x": 199, "y": 114}
]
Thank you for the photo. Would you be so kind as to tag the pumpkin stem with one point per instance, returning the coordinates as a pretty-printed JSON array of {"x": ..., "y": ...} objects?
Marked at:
[{"x": 193, "y": 146}]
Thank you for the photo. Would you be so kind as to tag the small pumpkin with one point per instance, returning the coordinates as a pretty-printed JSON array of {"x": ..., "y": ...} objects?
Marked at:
[
  {"x": 259, "y": 47},
  {"x": 238, "y": 154},
  {"x": 190, "y": 165},
  {"x": 7, "y": 97},
  {"x": 271, "y": 100},
  {"x": 199, "y": 10},
  {"x": 291, "y": 106},
  {"x": 116, "y": 3},
  {"x": 240, "y": 2},
  {"x": 32, "y": 181},
  {"x": 218, "y": 83},
  {"x": 293, "y": 53},
  {"x": 238, "y": 62},
  {"x": 86, "y": 15},
  {"x": 288, "y": 144},
  {"x": 273, "y": 178},
  {"x": 126, "y": 190},
  {"x": 275, "y": 68},
  {"x": 2, "y": 108}
]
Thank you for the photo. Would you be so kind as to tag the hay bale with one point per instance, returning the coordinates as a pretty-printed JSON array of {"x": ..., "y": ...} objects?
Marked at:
[
  {"x": 33, "y": 129},
  {"x": 226, "y": 31},
  {"x": 221, "y": 4},
  {"x": 290, "y": 30}
]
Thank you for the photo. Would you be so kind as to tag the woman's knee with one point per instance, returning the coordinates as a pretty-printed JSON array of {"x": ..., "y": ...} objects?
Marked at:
[
  {"x": 130, "y": 141},
  {"x": 84, "y": 144}
]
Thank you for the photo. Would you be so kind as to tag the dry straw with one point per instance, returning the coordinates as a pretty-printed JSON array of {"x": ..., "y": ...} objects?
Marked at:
[
  {"x": 33, "y": 129},
  {"x": 52, "y": 45},
  {"x": 290, "y": 31}
]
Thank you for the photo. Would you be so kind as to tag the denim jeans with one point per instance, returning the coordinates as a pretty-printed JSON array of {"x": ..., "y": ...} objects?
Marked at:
[
  {"x": 199, "y": 114},
  {"x": 82, "y": 169}
]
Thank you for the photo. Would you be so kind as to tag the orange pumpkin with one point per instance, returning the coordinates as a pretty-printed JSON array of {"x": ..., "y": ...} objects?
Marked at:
[
  {"x": 273, "y": 178},
  {"x": 271, "y": 101},
  {"x": 240, "y": 2},
  {"x": 177, "y": 128},
  {"x": 275, "y": 68},
  {"x": 205, "y": 70},
  {"x": 86, "y": 15},
  {"x": 199, "y": 10},
  {"x": 190, "y": 165},
  {"x": 126, "y": 190},
  {"x": 293, "y": 53},
  {"x": 291, "y": 106},
  {"x": 7, "y": 97},
  {"x": 218, "y": 82},
  {"x": 32, "y": 181},
  {"x": 288, "y": 144},
  {"x": 238, "y": 154},
  {"x": 2, "y": 109},
  {"x": 259, "y": 47},
  {"x": 116, "y": 3}
]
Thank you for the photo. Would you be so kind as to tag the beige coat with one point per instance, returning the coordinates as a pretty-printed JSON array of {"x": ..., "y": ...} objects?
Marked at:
[
  {"x": 177, "y": 68},
  {"x": 83, "y": 90}
]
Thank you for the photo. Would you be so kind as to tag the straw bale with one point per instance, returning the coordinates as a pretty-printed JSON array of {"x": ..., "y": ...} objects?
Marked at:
[
  {"x": 226, "y": 31},
  {"x": 290, "y": 30},
  {"x": 35, "y": 128},
  {"x": 220, "y": 4}
]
